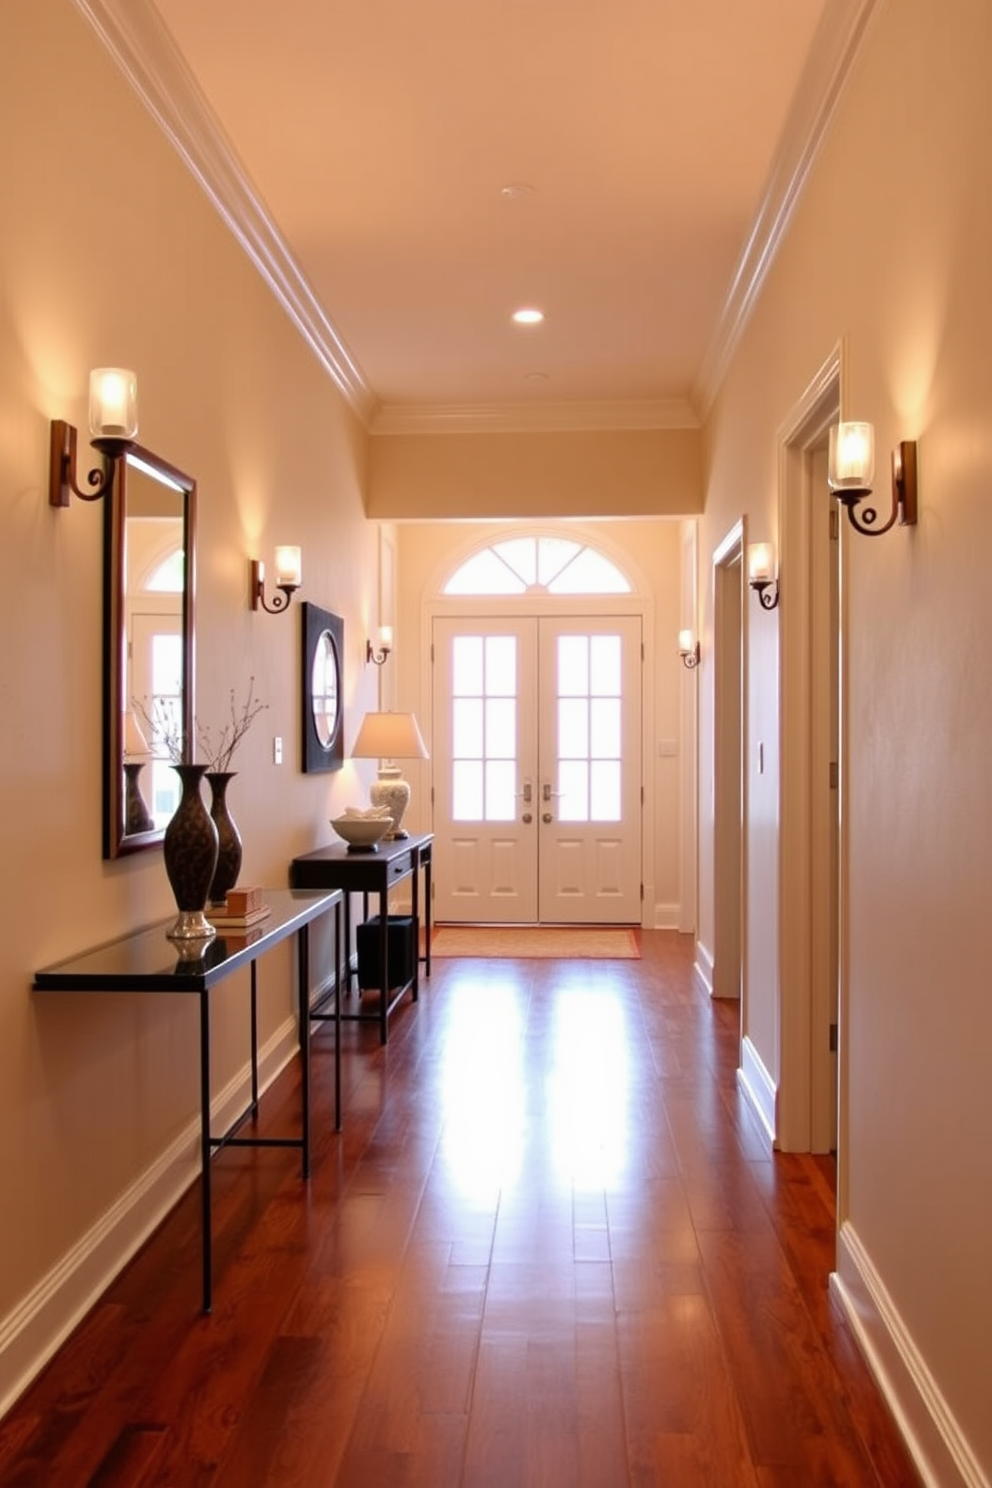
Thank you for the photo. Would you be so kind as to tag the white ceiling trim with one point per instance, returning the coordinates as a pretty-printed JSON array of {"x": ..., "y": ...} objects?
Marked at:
[
  {"x": 135, "y": 37},
  {"x": 133, "y": 33},
  {"x": 831, "y": 59},
  {"x": 477, "y": 418}
]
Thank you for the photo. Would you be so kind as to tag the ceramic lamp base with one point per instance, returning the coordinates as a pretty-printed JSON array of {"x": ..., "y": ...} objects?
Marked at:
[{"x": 392, "y": 792}]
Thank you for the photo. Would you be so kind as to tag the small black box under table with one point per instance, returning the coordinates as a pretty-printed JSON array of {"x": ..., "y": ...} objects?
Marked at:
[{"x": 402, "y": 933}]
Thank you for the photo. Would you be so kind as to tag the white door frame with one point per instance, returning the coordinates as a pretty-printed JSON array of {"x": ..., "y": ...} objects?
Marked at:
[
  {"x": 495, "y": 607},
  {"x": 729, "y": 776},
  {"x": 803, "y": 1111}
]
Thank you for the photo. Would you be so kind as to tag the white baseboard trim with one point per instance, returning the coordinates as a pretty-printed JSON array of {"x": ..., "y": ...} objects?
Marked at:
[
  {"x": 935, "y": 1441},
  {"x": 759, "y": 1089},
  {"x": 43, "y": 1320},
  {"x": 667, "y": 916},
  {"x": 703, "y": 968}
]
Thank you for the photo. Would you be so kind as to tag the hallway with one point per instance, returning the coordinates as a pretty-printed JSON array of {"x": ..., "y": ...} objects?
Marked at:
[{"x": 549, "y": 1248}]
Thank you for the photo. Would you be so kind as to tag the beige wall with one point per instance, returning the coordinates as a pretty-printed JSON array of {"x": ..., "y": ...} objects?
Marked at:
[
  {"x": 110, "y": 253},
  {"x": 647, "y": 472},
  {"x": 649, "y": 552},
  {"x": 889, "y": 255}
]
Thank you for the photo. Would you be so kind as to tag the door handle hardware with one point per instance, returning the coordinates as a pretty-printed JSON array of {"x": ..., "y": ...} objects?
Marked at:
[
  {"x": 547, "y": 817},
  {"x": 526, "y": 794},
  {"x": 527, "y": 818},
  {"x": 547, "y": 792}
]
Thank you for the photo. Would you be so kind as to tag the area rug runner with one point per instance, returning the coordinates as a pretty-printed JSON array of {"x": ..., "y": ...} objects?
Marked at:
[{"x": 601, "y": 943}]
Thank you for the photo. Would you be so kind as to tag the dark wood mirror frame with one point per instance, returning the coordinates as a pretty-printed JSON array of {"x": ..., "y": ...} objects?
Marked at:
[
  {"x": 118, "y": 693},
  {"x": 323, "y": 648}
]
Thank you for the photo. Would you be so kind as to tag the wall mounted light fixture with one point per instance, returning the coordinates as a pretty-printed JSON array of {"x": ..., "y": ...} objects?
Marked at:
[
  {"x": 851, "y": 470},
  {"x": 289, "y": 576},
  {"x": 113, "y": 419},
  {"x": 688, "y": 648},
  {"x": 377, "y": 657},
  {"x": 761, "y": 574}
]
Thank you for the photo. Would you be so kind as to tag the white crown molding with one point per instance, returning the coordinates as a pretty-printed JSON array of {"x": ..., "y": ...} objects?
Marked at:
[
  {"x": 135, "y": 37},
  {"x": 133, "y": 34},
  {"x": 832, "y": 56},
  {"x": 516, "y": 418}
]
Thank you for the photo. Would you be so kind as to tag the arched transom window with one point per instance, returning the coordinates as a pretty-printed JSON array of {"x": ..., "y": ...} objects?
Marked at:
[{"x": 548, "y": 565}]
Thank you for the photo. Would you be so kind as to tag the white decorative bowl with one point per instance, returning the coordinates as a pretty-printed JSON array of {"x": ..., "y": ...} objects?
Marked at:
[{"x": 362, "y": 833}]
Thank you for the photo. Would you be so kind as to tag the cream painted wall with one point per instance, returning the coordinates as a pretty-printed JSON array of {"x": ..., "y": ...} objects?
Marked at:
[
  {"x": 650, "y": 553},
  {"x": 588, "y": 473},
  {"x": 889, "y": 255},
  {"x": 111, "y": 253}
]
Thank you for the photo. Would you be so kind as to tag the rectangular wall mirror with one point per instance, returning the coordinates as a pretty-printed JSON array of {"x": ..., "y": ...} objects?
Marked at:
[{"x": 149, "y": 634}]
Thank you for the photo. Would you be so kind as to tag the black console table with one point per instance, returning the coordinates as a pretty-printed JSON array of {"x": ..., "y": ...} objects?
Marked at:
[
  {"x": 148, "y": 961},
  {"x": 368, "y": 873}
]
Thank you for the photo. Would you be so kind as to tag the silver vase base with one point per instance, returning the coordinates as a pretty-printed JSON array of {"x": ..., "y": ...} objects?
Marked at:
[{"x": 192, "y": 924}]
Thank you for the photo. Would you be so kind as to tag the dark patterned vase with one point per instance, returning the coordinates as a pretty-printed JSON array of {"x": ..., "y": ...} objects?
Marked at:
[
  {"x": 137, "y": 817},
  {"x": 228, "y": 836},
  {"x": 190, "y": 849}
]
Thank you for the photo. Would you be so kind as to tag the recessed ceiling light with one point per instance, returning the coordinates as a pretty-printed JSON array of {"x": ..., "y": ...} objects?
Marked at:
[
  {"x": 515, "y": 190},
  {"x": 528, "y": 316},
  {"x": 535, "y": 377}
]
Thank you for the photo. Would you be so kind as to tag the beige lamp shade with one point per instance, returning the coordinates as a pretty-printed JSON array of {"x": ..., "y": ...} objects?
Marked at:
[
  {"x": 135, "y": 743},
  {"x": 387, "y": 737}
]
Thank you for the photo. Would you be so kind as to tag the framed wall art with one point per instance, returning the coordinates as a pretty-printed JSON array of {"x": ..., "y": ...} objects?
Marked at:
[{"x": 323, "y": 691}]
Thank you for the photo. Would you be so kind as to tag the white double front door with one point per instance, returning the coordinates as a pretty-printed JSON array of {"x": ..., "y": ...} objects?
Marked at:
[{"x": 537, "y": 770}]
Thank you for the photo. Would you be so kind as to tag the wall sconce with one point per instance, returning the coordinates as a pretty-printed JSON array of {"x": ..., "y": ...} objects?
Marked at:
[
  {"x": 385, "y": 646},
  {"x": 851, "y": 470},
  {"x": 113, "y": 421},
  {"x": 688, "y": 648},
  {"x": 289, "y": 576},
  {"x": 761, "y": 574}
]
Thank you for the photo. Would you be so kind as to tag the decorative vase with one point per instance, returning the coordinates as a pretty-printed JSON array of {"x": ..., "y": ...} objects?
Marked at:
[
  {"x": 137, "y": 817},
  {"x": 190, "y": 849},
  {"x": 228, "y": 836}
]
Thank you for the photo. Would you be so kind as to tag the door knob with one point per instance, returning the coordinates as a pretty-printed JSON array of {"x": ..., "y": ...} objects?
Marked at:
[
  {"x": 527, "y": 818},
  {"x": 547, "y": 817}
]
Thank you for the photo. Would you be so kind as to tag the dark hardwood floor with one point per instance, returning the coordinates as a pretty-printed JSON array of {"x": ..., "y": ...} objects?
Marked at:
[{"x": 550, "y": 1249}]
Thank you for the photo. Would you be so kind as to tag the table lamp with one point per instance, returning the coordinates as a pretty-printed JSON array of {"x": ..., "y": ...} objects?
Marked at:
[{"x": 388, "y": 737}]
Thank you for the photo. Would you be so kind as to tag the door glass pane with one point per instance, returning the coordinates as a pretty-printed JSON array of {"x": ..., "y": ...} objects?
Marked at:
[
  {"x": 466, "y": 790},
  {"x": 501, "y": 666},
  {"x": 466, "y": 665},
  {"x": 501, "y": 778},
  {"x": 573, "y": 783},
  {"x": 501, "y": 728},
  {"x": 605, "y": 790},
  {"x": 605, "y": 665},
  {"x": 573, "y": 728},
  {"x": 466, "y": 715},
  {"x": 589, "y": 731},
  {"x": 605, "y": 742},
  {"x": 484, "y": 728},
  {"x": 573, "y": 666}
]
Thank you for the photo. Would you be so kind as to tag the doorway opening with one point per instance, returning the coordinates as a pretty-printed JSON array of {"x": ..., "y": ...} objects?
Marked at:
[{"x": 810, "y": 1106}]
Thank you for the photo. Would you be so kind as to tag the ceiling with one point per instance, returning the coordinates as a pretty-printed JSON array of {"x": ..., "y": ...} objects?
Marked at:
[{"x": 407, "y": 173}]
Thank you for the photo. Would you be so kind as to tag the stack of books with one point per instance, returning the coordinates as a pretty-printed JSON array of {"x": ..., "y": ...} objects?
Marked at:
[{"x": 241, "y": 908}]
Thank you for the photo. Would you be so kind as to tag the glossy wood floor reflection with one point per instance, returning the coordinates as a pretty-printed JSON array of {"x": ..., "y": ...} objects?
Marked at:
[{"x": 549, "y": 1250}]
